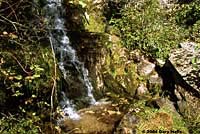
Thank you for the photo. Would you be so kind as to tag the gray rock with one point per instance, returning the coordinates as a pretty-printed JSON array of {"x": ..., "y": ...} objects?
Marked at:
[
  {"x": 142, "y": 89},
  {"x": 186, "y": 62},
  {"x": 145, "y": 67},
  {"x": 155, "y": 79},
  {"x": 154, "y": 84},
  {"x": 128, "y": 124}
]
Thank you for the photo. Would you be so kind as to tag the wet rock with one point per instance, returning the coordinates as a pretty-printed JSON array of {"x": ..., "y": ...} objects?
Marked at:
[
  {"x": 99, "y": 119},
  {"x": 92, "y": 52}
]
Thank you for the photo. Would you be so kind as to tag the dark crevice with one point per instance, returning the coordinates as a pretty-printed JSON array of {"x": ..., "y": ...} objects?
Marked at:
[{"x": 171, "y": 77}]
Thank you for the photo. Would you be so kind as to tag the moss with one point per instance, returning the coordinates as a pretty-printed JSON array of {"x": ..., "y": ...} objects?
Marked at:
[
  {"x": 95, "y": 23},
  {"x": 191, "y": 114},
  {"x": 94, "y": 18},
  {"x": 158, "y": 121},
  {"x": 164, "y": 119},
  {"x": 178, "y": 121},
  {"x": 121, "y": 72}
]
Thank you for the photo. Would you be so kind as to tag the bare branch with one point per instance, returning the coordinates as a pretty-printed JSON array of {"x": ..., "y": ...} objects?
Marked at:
[
  {"x": 55, "y": 74},
  {"x": 13, "y": 23},
  {"x": 28, "y": 73}
]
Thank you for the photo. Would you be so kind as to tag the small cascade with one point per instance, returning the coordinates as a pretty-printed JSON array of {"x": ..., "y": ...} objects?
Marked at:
[{"x": 66, "y": 55}]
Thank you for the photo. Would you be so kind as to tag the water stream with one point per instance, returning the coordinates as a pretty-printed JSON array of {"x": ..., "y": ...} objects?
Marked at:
[{"x": 65, "y": 55}]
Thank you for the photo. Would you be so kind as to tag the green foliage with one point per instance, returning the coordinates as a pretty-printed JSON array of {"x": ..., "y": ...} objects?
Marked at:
[
  {"x": 30, "y": 84},
  {"x": 189, "y": 14},
  {"x": 95, "y": 24},
  {"x": 27, "y": 68},
  {"x": 82, "y": 3},
  {"x": 164, "y": 118},
  {"x": 145, "y": 25},
  {"x": 13, "y": 125}
]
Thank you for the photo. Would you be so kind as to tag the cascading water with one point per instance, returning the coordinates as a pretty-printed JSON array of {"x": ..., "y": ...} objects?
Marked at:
[{"x": 65, "y": 54}]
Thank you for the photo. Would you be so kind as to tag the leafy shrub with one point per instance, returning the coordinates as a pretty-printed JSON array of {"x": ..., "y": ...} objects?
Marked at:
[
  {"x": 26, "y": 62},
  {"x": 188, "y": 14},
  {"x": 188, "y": 17},
  {"x": 13, "y": 125},
  {"x": 145, "y": 25}
]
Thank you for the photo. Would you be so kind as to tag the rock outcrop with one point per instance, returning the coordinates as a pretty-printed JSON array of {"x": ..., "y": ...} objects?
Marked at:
[{"x": 186, "y": 62}]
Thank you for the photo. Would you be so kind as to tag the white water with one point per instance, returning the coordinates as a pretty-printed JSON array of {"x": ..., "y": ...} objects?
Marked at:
[{"x": 61, "y": 44}]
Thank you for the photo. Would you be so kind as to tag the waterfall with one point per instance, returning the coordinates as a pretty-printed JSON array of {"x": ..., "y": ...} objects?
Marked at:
[{"x": 65, "y": 54}]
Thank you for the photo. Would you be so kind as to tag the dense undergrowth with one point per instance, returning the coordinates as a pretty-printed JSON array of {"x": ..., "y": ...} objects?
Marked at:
[
  {"x": 155, "y": 29},
  {"x": 27, "y": 78}
]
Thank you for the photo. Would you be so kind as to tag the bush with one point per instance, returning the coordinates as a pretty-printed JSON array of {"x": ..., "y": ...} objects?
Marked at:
[
  {"x": 26, "y": 61},
  {"x": 188, "y": 17},
  {"x": 145, "y": 25},
  {"x": 13, "y": 125},
  {"x": 188, "y": 14}
]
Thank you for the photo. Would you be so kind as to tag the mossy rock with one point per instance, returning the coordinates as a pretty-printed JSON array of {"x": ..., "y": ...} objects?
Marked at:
[
  {"x": 143, "y": 119},
  {"x": 164, "y": 119}
]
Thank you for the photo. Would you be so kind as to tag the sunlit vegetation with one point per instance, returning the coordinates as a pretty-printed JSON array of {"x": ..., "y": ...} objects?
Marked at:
[
  {"x": 155, "y": 29},
  {"x": 30, "y": 79}
]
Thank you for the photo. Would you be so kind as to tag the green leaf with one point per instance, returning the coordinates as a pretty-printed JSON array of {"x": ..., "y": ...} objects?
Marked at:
[
  {"x": 17, "y": 93},
  {"x": 18, "y": 77},
  {"x": 82, "y": 4},
  {"x": 36, "y": 76}
]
